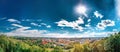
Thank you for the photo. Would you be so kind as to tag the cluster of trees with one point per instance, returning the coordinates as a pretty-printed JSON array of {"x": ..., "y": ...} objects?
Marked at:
[
  {"x": 97, "y": 46},
  {"x": 109, "y": 44},
  {"x": 9, "y": 44},
  {"x": 12, "y": 45},
  {"x": 113, "y": 43}
]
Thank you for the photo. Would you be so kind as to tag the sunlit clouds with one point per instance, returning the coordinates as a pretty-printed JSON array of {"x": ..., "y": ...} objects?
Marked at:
[
  {"x": 98, "y": 15},
  {"x": 73, "y": 24},
  {"x": 105, "y": 23}
]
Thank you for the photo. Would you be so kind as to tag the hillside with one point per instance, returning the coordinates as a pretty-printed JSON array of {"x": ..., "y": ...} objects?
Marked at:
[{"x": 12, "y": 44}]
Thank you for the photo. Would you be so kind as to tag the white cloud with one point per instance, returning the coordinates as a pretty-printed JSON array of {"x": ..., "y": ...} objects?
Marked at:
[
  {"x": 16, "y": 25},
  {"x": 13, "y": 20},
  {"x": 34, "y": 24},
  {"x": 79, "y": 21},
  {"x": 48, "y": 26},
  {"x": 44, "y": 24},
  {"x": 97, "y": 14},
  {"x": 105, "y": 23},
  {"x": 89, "y": 20},
  {"x": 108, "y": 22},
  {"x": 23, "y": 31},
  {"x": 101, "y": 26},
  {"x": 87, "y": 25},
  {"x": 118, "y": 7},
  {"x": 73, "y": 24},
  {"x": 20, "y": 26}
]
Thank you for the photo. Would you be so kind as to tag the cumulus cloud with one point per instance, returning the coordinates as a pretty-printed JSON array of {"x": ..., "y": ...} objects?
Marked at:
[
  {"x": 105, "y": 23},
  {"x": 98, "y": 15},
  {"x": 101, "y": 26},
  {"x": 73, "y": 24},
  {"x": 13, "y": 20}
]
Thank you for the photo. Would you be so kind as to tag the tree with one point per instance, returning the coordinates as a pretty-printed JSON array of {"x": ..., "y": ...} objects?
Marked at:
[
  {"x": 8, "y": 44},
  {"x": 113, "y": 43},
  {"x": 78, "y": 48},
  {"x": 57, "y": 49},
  {"x": 1, "y": 49}
]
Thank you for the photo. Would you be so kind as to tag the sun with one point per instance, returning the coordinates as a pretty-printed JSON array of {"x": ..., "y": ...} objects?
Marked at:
[{"x": 80, "y": 9}]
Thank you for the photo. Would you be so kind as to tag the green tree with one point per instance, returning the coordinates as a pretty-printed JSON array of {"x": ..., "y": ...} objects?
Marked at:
[
  {"x": 57, "y": 49},
  {"x": 1, "y": 49},
  {"x": 113, "y": 43}
]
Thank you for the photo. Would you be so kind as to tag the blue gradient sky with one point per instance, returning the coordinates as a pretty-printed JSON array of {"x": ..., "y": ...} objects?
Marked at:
[{"x": 58, "y": 18}]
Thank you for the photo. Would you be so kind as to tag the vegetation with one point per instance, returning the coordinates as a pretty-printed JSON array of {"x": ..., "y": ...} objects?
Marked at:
[
  {"x": 109, "y": 44},
  {"x": 10, "y": 44},
  {"x": 57, "y": 49},
  {"x": 113, "y": 43}
]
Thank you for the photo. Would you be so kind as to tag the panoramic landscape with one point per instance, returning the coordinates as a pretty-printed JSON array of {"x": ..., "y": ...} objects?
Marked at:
[{"x": 59, "y": 25}]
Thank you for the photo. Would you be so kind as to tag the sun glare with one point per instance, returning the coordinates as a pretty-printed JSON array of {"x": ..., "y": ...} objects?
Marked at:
[{"x": 80, "y": 9}]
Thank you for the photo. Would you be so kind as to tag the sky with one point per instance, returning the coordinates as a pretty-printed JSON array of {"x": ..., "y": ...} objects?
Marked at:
[{"x": 59, "y": 18}]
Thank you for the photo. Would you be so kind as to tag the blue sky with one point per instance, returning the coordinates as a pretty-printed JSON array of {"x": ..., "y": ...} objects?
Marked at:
[{"x": 59, "y": 18}]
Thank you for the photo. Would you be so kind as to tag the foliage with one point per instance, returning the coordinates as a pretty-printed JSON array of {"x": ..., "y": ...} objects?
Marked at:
[
  {"x": 113, "y": 43},
  {"x": 12, "y": 45},
  {"x": 82, "y": 47},
  {"x": 57, "y": 49}
]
